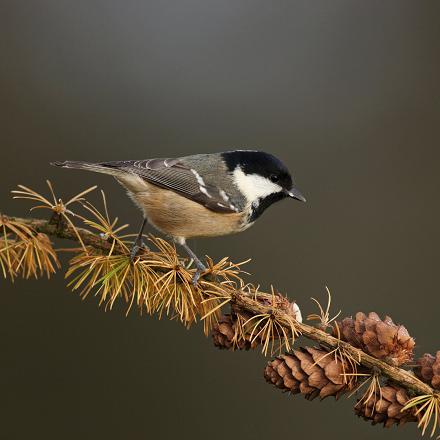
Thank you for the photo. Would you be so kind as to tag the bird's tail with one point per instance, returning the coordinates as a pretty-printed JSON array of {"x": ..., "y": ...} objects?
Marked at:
[{"x": 88, "y": 166}]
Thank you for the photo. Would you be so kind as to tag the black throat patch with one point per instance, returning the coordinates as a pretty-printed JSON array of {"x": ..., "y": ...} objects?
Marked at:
[{"x": 264, "y": 203}]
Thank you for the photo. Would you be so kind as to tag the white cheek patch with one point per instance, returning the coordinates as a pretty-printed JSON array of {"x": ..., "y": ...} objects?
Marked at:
[{"x": 253, "y": 186}]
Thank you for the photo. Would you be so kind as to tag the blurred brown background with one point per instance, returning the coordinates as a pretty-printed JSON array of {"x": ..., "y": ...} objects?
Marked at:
[{"x": 346, "y": 93}]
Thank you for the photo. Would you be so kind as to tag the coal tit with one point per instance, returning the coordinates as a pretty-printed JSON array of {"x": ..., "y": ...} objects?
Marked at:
[{"x": 202, "y": 195}]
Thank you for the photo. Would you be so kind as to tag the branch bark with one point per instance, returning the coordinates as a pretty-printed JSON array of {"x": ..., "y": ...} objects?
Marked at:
[
  {"x": 66, "y": 232},
  {"x": 398, "y": 375}
]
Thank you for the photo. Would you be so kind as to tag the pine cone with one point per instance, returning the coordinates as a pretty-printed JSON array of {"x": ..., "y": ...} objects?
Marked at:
[
  {"x": 223, "y": 334},
  {"x": 308, "y": 371},
  {"x": 428, "y": 369},
  {"x": 388, "y": 409},
  {"x": 380, "y": 338},
  {"x": 224, "y": 331}
]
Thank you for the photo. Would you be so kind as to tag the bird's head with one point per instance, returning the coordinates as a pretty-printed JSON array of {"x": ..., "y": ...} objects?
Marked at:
[{"x": 261, "y": 178}]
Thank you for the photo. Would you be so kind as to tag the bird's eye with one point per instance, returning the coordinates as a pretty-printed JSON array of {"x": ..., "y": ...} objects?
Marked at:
[{"x": 274, "y": 178}]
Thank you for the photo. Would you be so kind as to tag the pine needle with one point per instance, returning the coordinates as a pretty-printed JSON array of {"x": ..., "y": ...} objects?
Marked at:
[
  {"x": 348, "y": 361},
  {"x": 106, "y": 228},
  {"x": 271, "y": 333},
  {"x": 57, "y": 206},
  {"x": 111, "y": 277},
  {"x": 369, "y": 399},
  {"x": 214, "y": 299},
  {"x": 324, "y": 316},
  {"x": 427, "y": 408},
  {"x": 24, "y": 252}
]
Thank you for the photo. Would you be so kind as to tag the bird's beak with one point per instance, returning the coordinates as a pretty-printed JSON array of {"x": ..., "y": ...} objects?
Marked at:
[{"x": 295, "y": 194}]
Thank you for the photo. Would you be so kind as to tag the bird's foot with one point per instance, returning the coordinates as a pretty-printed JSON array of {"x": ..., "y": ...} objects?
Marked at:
[
  {"x": 199, "y": 265},
  {"x": 138, "y": 245},
  {"x": 200, "y": 269}
]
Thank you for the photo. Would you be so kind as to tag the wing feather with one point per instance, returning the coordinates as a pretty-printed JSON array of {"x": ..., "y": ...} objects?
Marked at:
[{"x": 173, "y": 175}]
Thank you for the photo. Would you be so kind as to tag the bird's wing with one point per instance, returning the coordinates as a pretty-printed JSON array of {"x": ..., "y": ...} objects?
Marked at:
[{"x": 173, "y": 175}]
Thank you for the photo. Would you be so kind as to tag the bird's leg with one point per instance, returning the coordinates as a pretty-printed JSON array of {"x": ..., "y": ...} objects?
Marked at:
[
  {"x": 199, "y": 265},
  {"x": 139, "y": 242}
]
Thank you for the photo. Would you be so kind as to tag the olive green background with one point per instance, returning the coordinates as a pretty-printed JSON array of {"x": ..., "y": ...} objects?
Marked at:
[{"x": 346, "y": 93}]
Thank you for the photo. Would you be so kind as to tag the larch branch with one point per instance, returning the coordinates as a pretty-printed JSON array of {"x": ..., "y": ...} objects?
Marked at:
[{"x": 246, "y": 302}]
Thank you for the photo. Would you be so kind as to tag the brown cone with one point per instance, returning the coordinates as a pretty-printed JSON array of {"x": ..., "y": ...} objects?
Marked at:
[
  {"x": 224, "y": 331},
  {"x": 223, "y": 334},
  {"x": 380, "y": 338},
  {"x": 428, "y": 369},
  {"x": 388, "y": 409},
  {"x": 308, "y": 371}
]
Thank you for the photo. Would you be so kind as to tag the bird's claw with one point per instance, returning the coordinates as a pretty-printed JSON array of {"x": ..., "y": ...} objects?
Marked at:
[
  {"x": 137, "y": 246},
  {"x": 197, "y": 274},
  {"x": 134, "y": 250}
]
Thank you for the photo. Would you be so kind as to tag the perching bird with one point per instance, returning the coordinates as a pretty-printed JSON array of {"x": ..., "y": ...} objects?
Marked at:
[{"x": 203, "y": 195}]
